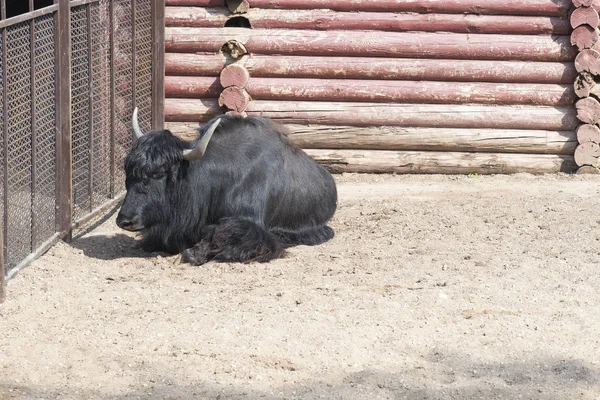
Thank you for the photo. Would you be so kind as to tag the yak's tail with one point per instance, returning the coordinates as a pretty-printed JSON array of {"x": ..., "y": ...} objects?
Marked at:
[
  {"x": 234, "y": 240},
  {"x": 306, "y": 236}
]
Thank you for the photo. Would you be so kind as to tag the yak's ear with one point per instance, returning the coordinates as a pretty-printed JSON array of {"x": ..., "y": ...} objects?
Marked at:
[
  {"x": 200, "y": 149},
  {"x": 136, "y": 125}
]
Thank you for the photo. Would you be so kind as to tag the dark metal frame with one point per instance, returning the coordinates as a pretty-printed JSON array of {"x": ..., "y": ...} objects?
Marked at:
[{"x": 61, "y": 10}]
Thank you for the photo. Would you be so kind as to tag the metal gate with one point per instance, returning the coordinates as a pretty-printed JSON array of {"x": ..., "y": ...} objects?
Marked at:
[{"x": 71, "y": 74}]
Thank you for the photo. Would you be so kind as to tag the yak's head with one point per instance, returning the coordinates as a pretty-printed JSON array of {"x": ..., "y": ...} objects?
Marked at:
[{"x": 151, "y": 167}]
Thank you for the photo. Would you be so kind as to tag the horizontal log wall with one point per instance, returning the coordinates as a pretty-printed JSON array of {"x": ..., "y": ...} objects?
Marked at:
[{"x": 429, "y": 86}]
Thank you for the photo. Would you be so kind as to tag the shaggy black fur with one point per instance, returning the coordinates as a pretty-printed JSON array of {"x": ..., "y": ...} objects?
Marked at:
[{"x": 248, "y": 197}]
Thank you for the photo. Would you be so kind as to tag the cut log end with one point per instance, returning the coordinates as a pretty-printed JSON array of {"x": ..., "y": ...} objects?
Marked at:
[
  {"x": 588, "y": 170},
  {"x": 582, "y": 3},
  {"x": 588, "y": 133},
  {"x": 588, "y": 60},
  {"x": 238, "y": 6},
  {"x": 584, "y": 37},
  {"x": 587, "y": 154},
  {"x": 588, "y": 110},
  {"x": 584, "y": 82},
  {"x": 584, "y": 16},
  {"x": 235, "y": 99},
  {"x": 234, "y": 48},
  {"x": 234, "y": 75}
]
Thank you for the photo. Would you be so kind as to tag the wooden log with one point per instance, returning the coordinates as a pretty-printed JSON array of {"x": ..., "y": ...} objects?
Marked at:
[
  {"x": 588, "y": 60},
  {"x": 588, "y": 170},
  {"x": 372, "y": 43},
  {"x": 369, "y": 114},
  {"x": 333, "y": 20},
  {"x": 584, "y": 16},
  {"x": 409, "y": 138},
  {"x": 433, "y": 139},
  {"x": 376, "y": 68},
  {"x": 585, "y": 3},
  {"x": 584, "y": 82},
  {"x": 383, "y": 91},
  {"x": 196, "y": 3},
  {"x": 238, "y": 6},
  {"x": 235, "y": 99},
  {"x": 588, "y": 110},
  {"x": 198, "y": 87},
  {"x": 588, "y": 133},
  {"x": 367, "y": 161},
  {"x": 558, "y": 8},
  {"x": 584, "y": 37},
  {"x": 234, "y": 75},
  {"x": 588, "y": 153}
]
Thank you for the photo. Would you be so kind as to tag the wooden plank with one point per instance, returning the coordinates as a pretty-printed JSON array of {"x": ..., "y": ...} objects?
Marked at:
[
  {"x": 379, "y": 91},
  {"x": 374, "y": 114},
  {"x": 374, "y": 44},
  {"x": 558, "y": 8},
  {"x": 376, "y": 68},
  {"x": 373, "y": 161},
  {"x": 397, "y": 22}
]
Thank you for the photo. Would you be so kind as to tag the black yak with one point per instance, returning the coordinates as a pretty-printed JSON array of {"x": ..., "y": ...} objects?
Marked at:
[{"x": 240, "y": 192}]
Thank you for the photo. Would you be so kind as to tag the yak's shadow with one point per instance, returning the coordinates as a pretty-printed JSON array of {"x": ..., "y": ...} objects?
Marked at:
[{"x": 111, "y": 246}]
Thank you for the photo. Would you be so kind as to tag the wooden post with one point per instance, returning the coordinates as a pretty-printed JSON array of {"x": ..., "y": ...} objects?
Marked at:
[
  {"x": 158, "y": 64},
  {"x": 64, "y": 181},
  {"x": 585, "y": 20}
]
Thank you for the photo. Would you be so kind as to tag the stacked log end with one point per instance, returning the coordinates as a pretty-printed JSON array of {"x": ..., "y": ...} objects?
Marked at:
[
  {"x": 426, "y": 86},
  {"x": 585, "y": 21}
]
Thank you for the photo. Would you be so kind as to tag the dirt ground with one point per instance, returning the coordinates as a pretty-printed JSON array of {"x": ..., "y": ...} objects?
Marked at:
[{"x": 435, "y": 287}]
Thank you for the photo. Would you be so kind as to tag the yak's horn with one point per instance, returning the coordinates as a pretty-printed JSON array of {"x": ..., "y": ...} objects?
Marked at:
[
  {"x": 136, "y": 125},
  {"x": 198, "y": 151}
]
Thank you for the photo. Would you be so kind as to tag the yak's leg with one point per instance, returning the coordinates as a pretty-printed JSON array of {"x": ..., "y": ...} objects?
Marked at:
[
  {"x": 234, "y": 240},
  {"x": 307, "y": 236}
]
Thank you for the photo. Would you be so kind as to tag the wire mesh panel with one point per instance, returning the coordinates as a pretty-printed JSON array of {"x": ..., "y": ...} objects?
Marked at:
[
  {"x": 143, "y": 73},
  {"x": 44, "y": 163},
  {"x": 101, "y": 140},
  {"x": 123, "y": 64},
  {"x": 19, "y": 151},
  {"x": 80, "y": 111}
]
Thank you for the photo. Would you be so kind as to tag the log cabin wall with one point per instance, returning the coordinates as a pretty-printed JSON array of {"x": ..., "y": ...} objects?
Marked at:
[{"x": 412, "y": 86}]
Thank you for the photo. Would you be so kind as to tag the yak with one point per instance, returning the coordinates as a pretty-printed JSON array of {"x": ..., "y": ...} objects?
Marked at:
[{"x": 240, "y": 192}]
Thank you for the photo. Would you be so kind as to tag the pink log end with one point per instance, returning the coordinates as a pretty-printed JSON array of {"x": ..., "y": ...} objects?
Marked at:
[
  {"x": 588, "y": 110},
  {"x": 587, "y": 153},
  {"x": 234, "y": 75},
  {"x": 588, "y": 133},
  {"x": 584, "y": 16},
  {"x": 588, "y": 60},
  {"x": 235, "y": 99}
]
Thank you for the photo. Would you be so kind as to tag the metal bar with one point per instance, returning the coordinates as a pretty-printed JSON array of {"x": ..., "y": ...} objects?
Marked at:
[
  {"x": 158, "y": 64},
  {"x": 111, "y": 18},
  {"x": 26, "y": 17},
  {"x": 33, "y": 128},
  {"x": 88, "y": 13},
  {"x": 5, "y": 130},
  {"x": 2, "y": 271},
  {"x": 133, "y": 57},
  {"x": 64, "y": 173}
]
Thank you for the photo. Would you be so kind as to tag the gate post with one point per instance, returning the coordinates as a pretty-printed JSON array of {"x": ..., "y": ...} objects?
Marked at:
[
  {"x": 64, "y": 186},
  {"x": 158, "y": 64}
]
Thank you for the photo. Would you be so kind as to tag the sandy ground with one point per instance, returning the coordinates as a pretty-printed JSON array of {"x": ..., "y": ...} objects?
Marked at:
[{"x": 435, "y": 287}]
